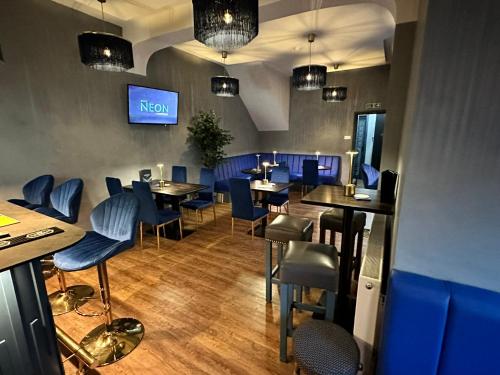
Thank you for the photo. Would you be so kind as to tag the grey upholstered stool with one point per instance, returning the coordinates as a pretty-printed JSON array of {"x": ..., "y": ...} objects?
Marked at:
[
  {"x": 324, "y": 348},
  {"x": 283, "y": 229},
  {"x": 311, "y": 265},
  {"x": 332, "y": 220}
]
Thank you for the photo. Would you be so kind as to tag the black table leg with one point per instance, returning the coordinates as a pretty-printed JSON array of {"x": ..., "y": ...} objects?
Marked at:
[
  {"x": 28, "y": 342},
  {"x": 344, "y": 314}
]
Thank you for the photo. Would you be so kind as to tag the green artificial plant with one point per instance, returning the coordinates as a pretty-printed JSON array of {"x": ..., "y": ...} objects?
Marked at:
[{"x": 206, "y": 135}]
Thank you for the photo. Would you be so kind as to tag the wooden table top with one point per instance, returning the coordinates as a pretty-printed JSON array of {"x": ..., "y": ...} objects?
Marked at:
[
  {"x": 31, "y": 221},
  {"x": 174, "y": 188},
  {"x": 333, "y": 196},
  {"x": 271, "y": 187}
]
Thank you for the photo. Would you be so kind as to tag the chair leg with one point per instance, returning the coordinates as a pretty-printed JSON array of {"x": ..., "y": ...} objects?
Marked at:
[
  {"x": 196, "y": 219},
  {"x": 201, "y": 216},
  {"x": 322, "y": 232},
  {"x": 269, "y": 270},
  {"x": 67, "y": 299},
  {"x": 287, "y": 208},
  {"x": 164, "y": 233},
  {"x": 330, "y": 305},
  {"x": 215, "y": 216},
  {"x": 158, "y": 236},
  {"x": 114, "y": 339},
  {"x": 253, "y": 230},
  {"x": 284, "y": 312},
  {"x": 62, "y": 281},
  {"x": 140, "y": 234},
  {"x": 232, "y": 226},
  {"x": 180, "y": 228}
]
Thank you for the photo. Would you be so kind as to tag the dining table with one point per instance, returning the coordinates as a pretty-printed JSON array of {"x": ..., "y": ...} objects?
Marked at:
[
  {"x": 333, "y": 196},
  {"x": 172, "y": 193},
  {"x": 28, "y": 342},
  {"x": 262, "y": 191}
]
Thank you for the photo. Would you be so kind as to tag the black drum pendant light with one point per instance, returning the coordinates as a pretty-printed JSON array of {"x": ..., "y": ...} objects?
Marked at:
[
  {"x": 224, "y": 85},
  {"x": 309, "y": 77},
  {"x": 225, "y": 24},
  {"x": 104, "y": 51},
  {"x": 334, "y": 94}
]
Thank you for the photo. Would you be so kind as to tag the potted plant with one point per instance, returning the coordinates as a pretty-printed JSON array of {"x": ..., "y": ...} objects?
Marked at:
[{"x": 206, "y": 135}]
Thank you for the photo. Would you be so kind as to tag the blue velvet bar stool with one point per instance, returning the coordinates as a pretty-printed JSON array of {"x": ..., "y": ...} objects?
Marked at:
[
  {"x": 36, "y": 192},
  {"x": 65, "y": 200},
  {"x": 310, "y": 175},
  {"x": 306, "y": 264},
  {"x": 242, "y": 204},
  {"x": 150, "y": 214},
  {"x": 179, "y": 174},
  {"x": 280, "y": 175},
  {"x": 114, "y": 223},
  {"x": 114, "y": 186},
  {"x": 205, "y": 197}
]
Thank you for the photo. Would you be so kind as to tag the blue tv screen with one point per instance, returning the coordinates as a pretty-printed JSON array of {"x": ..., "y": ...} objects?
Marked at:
[{"x": 152, "y": 106}]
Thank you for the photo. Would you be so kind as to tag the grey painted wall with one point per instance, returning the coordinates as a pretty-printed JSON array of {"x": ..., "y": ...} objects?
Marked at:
[
  {"x": 397, "y": 93},
  {"x": 316, "y": 125},
  {"x": 448, "y": 207},
  {"x": 57, "y": 116}
]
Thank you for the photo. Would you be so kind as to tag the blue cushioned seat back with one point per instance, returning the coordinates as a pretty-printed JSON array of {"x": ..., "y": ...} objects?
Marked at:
[
  {"x": 148, "y": 212},
  {"x": 370, "y": 176},
  {"x": 114, "y": 186},
  {"x": 310, "y": 172},
  {"x": 37, "y": 191},
  {"x": 66, "y": 198},
  {"x": 283, "y": 164},
  {"x": 241, "y": 198},
  {"x": 438, "y": 327},
  {"x": 281, "y": 175},
  {"x": 179, "y": 174},
  {"x": 116, "y": 217},
  {"x": 207, "y": 177}
]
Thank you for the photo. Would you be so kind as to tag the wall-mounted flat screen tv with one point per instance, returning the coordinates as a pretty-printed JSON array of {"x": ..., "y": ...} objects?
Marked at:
[{"x": 147, "y": 105}]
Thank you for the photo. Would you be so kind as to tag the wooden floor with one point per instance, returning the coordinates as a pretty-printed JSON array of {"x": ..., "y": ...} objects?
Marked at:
[{"x": 201, "y": 300}]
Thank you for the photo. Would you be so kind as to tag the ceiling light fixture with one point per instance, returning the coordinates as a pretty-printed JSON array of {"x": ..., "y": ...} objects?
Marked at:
[
  {"x": 225, "y": 25},
  {"x": 105, "y": 51},
  {"x": 224, "y": 85},
  {"x": 309, "y": 77},
  {"x": 335, "y": 93}
]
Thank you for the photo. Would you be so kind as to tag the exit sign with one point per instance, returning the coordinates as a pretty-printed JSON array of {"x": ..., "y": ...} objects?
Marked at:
[{"x": 373, "y": 105}]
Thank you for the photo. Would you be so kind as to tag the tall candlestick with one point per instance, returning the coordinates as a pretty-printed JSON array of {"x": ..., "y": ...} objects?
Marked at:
[
  {"x": 265, "y": 164},
  {"x": 258, "y": 162},
  {"x": 274, "y": 154},
  {"x": 350, "y": 188},
  {"x": 162, "y": 183},
  {"x": 317, "y": 155}
]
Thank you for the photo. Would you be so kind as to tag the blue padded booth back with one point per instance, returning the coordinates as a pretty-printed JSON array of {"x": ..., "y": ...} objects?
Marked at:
[
  {"x": 207, "y": 177},
  {"x": 116, "y": 217},
  {"x": 114, "y": 186},
  {"x": 370, "y": 176},
  {"x": 241, "y": 199},
  {"x": 438, "y": 327},
  {"x": 179, "y": 174},
  {"x": 66, "y": 198},
  {"x": 148, "y": 212},
  {"x": 37, "y": 191}
]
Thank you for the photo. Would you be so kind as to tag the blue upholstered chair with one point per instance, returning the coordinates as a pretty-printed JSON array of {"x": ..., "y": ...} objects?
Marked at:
[
  {"x": 280, "y": 175},
  {"x": 242, "y": 204},
  {"x": 310, "y": 176},
  {"x": 114, "y": 186},
  {"x": 36, "y": 192},
  {"x": 179, "y": 174},
  {"x": 149, "y": 213},
  {"x": 205, "y": 197},
  {"x": 114, "y": 223},
  {"x": 370, "y": 176},
  {"x": 65, "y": 199}
]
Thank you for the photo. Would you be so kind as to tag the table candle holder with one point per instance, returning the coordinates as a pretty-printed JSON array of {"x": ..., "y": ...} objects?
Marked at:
[
  {"x": 258, "y": 162},
  {"x": 317, "y": 155},
  {"x": 265, "y": 181},
  {"x": 162, "y": 183},
  {"x": 274, "y": 157},
  {"x": 350, "y": 188}
]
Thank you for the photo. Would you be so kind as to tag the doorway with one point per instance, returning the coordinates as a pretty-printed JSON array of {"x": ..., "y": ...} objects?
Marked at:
[{"x": 367, "y": 140}]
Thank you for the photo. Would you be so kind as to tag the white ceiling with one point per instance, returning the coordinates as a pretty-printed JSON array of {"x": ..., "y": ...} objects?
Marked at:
[{"x": 350, "y": 35}]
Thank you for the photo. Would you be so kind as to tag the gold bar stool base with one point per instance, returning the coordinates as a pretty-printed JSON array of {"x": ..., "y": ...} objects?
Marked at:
[
  {"x": 108, "y": 344},
  {"x": 74, "y": 296}
]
